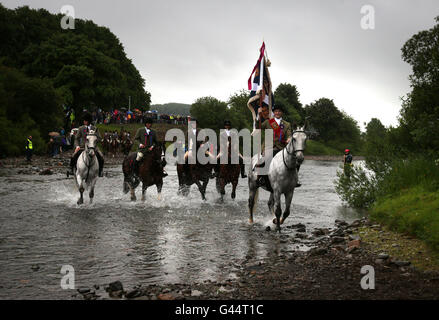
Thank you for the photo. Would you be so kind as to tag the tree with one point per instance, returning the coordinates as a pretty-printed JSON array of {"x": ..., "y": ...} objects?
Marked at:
[
  {"x": 287, "y": 96},
  {"x": 420, "y": 111},
  {"x": 209, "y": 112}
]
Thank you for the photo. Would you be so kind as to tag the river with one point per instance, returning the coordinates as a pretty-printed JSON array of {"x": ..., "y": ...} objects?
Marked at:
[{"x": 173, "y": 240}]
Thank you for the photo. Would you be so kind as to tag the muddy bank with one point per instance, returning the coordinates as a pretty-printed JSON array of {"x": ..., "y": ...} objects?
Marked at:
[
  {"x": 331, "y": 270},
  {"x": 331, "y": 158}
]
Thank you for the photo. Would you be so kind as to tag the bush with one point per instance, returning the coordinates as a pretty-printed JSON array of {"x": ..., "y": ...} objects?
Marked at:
[{"x": 356, "y": 186}]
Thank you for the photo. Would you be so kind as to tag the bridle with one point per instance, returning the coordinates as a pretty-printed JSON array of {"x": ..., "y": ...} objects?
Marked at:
[{"x": 293, "y": 154}]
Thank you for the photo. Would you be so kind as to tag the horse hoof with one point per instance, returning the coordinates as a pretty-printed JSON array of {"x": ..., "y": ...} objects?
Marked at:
[
  {"x": 159, "y": 197},
  {"x": 275, "y": 221},
  {"x": 133, "y": 199},
  {"x": 233, "y": 195},
  {"x": 250, "y": 221}
]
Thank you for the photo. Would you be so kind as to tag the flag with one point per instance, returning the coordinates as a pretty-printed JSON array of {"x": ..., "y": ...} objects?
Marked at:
[{"x": 261, "y": 85}]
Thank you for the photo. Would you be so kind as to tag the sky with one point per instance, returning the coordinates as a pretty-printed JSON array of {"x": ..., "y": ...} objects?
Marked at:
[{"x": 187, "y": 49}]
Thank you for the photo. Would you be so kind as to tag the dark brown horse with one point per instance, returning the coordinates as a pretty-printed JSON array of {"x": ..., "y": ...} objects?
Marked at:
[
  {"x": 227, "y": 173},
  {"x": 197, "y": 173},
  {"x": 126, "y": 143},
  {"x": 150, "y": 172}
]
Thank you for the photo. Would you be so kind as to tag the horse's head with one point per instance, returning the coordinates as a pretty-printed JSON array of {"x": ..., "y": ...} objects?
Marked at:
[
  {"x": 91, "y": 144},
  {"x": 298, "y": 140}
]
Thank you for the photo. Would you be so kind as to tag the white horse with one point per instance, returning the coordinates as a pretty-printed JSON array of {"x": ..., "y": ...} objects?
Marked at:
[
  {"x": 87, "y": 168},
  {"x": 282, "y": 173}
]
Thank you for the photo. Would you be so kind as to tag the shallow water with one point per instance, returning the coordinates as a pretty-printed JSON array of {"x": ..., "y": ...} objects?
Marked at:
[{"x": 175, "y": 240}]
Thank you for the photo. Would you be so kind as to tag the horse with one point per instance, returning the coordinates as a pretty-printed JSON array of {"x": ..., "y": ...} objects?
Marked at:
[
  {"x": 150, "y": 172},
  {"x": 197, "y": 173},
  {"x": 282, "y": 174},
  {"x": 126, "y": 144},
  {"x": 87, "y": 168},
  {"x": 228, "y": 173}
]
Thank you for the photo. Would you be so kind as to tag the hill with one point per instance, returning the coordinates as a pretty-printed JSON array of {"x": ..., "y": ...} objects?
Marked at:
[{"x": 172, "y": 108}]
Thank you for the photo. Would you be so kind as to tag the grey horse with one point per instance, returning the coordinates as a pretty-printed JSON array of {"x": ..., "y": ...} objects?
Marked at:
[
  {"x": 282, "y": 173},
  {"x": 87, "y": 168}
]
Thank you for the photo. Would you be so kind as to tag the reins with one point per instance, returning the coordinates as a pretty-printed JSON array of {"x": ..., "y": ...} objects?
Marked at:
[{"x": 291, "y": 153}]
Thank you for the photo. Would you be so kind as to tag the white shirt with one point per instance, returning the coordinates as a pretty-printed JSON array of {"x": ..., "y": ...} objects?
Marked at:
[
  {"x": 228, "y": 132},
  {"x": 147, "y": 130},
  {"x": 194, "y": 131},
  {"x": 278, "y": 121}
]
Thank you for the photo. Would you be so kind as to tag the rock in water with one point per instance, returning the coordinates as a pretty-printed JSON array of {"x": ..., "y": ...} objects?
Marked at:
[{"x": 114, "y": 286}]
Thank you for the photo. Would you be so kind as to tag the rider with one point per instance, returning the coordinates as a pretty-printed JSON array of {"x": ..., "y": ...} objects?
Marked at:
[
  {"x": 281, "y": 136},
  {"x": 227, "y": 135},
  {"x": 80, "y": 143},
  {"x": 147, "y": 139},
  {"x": 347, "y": 159}
]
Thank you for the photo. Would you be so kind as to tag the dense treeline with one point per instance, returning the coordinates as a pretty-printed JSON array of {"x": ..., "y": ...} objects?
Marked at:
[
  {"x": 400, "y": 181},
  {"x": 44, "y": 67},
  {"x": 334, "y": 129}
]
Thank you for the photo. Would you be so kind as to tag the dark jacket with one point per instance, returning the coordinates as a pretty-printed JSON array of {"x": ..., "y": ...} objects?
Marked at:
[{"x": 148, "y": 140}]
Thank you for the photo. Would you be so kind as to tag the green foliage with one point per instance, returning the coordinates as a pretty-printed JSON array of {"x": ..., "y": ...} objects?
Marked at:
[
  {"x": 239, "y": 113},
  {"x": 414, "y": 211},
  {"x": 336, "y": 129},
  {"x": 420, "y": 111},
  {"x": 209, "y": 112},
  {"x": 43, "y": 67},
  {"x": 356, "y": 186},
  {"x": 87, "y": 65},
  {"x": 317, "y": 148},
  {"x": 287, "y": 96},
  {"x": 27, "y": 107}
]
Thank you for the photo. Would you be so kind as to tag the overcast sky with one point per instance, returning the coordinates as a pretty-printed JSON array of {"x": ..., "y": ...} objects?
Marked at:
[{"x": 186, "y": 49}]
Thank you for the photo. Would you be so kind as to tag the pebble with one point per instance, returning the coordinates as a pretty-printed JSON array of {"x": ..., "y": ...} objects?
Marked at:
[
  {"x": 133, "y": 294},
  {"x": 196, "y": 293},
  {"x": 401, "y": 263},
  {"x": 115, "y": 286},
  {"x": 84, "y": 290},
  {"x": 337, "y": 239},
  {"x": 383, "y": 256}
]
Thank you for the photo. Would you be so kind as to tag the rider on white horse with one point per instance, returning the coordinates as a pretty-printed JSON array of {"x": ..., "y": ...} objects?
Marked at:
[
  {"x": 80, "y": 143},
  {"x": 281, "y": 137}
]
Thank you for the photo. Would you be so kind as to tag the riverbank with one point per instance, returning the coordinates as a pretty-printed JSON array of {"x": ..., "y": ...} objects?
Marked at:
[{"x": 331, "y": 270}]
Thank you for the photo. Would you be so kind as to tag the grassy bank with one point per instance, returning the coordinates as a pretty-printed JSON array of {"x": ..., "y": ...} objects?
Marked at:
[
  {"x": 315, "y": 148},
  {"x": 413, "y": 211}
]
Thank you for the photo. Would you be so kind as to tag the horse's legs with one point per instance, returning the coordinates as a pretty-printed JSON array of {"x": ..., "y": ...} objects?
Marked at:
[
  {"x": 234, "y": 184},
  {"x": 91, "y": 194},
  {"x": 133, "y": 192},
  {"x": 277, "y": 209},
  {"x": 159, "y": 191},
  {"x": 252, "y": 199},
  {"x": 271, "y": 203},
  {"x": 202, "y": 188},
  {"x": 144, "y": 187},
  {"x": 81, "y": 198},
  {"x": 222, "y": 186},
  {"x": 288, "y": 198}
]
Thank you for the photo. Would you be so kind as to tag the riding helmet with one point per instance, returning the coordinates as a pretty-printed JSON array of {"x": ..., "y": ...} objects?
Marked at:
[
  {"x": 347, "y": 151},
  {"x": 227, "y": 123},
  {"x": 278, "y": 106},
  {"x": 148, "y": 120}
]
